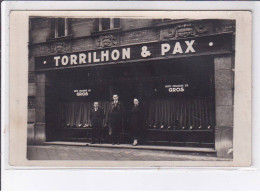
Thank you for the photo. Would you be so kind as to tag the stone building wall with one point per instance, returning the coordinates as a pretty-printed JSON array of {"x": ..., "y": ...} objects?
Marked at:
[{"x": 224, "y": 96}]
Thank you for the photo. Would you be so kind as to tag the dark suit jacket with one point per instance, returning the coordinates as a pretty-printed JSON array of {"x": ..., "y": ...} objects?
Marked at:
[
  {"x": 119, "y": 107},
  {"x": 96, "y": 117},
  {"x": 116, "y": 114}
]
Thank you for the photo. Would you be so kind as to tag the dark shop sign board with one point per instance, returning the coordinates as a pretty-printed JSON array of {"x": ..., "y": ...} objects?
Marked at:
[{"x": 214, "y": 44}]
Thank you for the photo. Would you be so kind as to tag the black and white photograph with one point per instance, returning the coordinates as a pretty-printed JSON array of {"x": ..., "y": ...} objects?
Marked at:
[
  {"x": 129, "y": 95},
  {"x": 130, "y": 89}
]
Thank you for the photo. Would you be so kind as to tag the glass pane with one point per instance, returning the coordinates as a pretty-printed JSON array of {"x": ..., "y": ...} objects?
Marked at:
[
  {"x": 116, "y": 23},
  {"x": 105, "y": 22},
  {"x": 61, "y": 27}
]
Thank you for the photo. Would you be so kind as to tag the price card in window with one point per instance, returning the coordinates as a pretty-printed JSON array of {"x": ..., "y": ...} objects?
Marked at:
[
  {"x": 176, "y": 88},
  {"x": 84, "y": 92}
]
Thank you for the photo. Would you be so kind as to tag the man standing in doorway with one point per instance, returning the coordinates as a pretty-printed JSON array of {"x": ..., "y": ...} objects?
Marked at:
[
  {"x": 116, "y": 112},
  {"x": 136, "y": 122},
  {"x": 96, "y": 117}
]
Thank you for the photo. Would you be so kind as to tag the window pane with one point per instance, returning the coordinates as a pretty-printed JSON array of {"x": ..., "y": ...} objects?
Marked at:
[
  {"x": 96, "y": 24},
  {"x": 116, "y": 23},
  {"x": 105, "y": 23},
  {"x": 61, "y": 27}
]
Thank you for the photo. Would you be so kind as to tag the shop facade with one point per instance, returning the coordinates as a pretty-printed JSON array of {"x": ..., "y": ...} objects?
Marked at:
[{"x": 181, "y": 70}]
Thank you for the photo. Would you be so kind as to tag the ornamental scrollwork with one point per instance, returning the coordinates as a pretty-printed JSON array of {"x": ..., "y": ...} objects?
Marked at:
[
  {"x": 60, "y": 47},
  {"x": 107, "y": 41},
  {"x": 183, "y": 31}
]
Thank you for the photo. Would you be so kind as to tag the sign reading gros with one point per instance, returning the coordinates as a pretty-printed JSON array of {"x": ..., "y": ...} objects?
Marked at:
[
  {"x": 176, "y": 87},
  {"x": 84, "y": 92},
  {"x": 156, "y": 50}
]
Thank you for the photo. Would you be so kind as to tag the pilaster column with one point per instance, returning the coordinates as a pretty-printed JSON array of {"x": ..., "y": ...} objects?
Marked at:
[
  {"x": 224, "y": 92},
  {"x": 40, "y": 132}
]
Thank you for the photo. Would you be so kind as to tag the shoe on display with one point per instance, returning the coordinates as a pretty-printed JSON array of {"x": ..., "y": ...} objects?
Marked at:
[{"x": 135, "y": 142}]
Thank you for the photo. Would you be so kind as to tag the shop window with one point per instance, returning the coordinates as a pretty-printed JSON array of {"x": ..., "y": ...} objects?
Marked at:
[
  {"x": 108, "y": 23},
  {"x": 180, "y": 113}
]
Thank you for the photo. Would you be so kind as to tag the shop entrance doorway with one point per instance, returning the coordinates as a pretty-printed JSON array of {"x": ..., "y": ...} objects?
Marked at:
[{"x": 126, "y": 92}]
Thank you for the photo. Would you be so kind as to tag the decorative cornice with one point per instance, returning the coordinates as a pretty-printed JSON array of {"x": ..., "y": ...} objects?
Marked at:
[
  {"x": 184, "y": 30},
  {"x": 63, "y": 38},
  {"x": 106, "y": 32},
  {"x": 107, "y": 41},
  {"x": 60, "y": 47},
  {"x": 225, "y": 29}
]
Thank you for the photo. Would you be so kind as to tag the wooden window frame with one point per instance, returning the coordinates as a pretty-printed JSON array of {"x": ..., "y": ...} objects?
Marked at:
[
  {"x": 66, "y": 28},
  {"x": 112, "y": 24}
]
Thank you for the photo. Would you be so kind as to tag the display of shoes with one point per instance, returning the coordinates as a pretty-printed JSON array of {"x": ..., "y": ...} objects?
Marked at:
[
  {"x": 162, "y": 127},
  {"x": 135, "y": 142},
  {"x": 86, "y": 125}
]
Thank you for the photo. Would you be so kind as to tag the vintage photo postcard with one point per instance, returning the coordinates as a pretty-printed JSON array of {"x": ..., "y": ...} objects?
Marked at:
[{"x": 130, "y": 89}]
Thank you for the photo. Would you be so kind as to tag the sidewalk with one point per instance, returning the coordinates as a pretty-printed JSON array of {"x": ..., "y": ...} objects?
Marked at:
[
  {"x": 69, "y": 152},
  {"x": 209, "y": 151}
]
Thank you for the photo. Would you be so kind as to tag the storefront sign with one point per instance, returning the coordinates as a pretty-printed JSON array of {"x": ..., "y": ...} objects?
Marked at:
[
  {"x": 84, "y": 92},
  {"x": 176, "y": 88},
  {"x": 155, "y": 50}
]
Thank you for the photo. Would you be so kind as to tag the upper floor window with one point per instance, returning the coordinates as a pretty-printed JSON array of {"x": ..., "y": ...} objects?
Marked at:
[
  {"x": 61, "y": 27},
  {"x": 108, "y": 23}
]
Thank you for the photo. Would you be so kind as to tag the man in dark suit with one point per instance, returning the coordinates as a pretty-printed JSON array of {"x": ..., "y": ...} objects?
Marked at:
[
  {"x": 116, "y": 113},
  {"x": 96, "y": 117}
]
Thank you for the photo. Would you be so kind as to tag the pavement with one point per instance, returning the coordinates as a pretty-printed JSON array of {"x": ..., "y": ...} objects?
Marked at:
[{"x": 72, "y": 152}]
